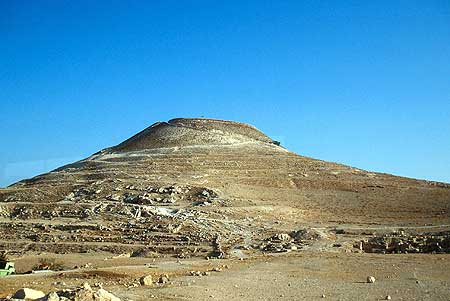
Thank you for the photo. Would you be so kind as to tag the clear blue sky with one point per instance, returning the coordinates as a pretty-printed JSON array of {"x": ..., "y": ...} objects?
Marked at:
[{"x": 364, "y": 83}]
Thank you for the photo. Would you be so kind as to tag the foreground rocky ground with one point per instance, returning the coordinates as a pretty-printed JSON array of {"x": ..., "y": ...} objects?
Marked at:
[
  {"x": 193, "y": 195},
  {"x": 295, "y": 276}
]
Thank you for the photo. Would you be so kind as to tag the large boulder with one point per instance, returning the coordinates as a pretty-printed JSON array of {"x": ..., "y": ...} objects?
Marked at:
[
  {"x": 146, "y": 280},
  {"x": 52, "y": 297},
  {"x": 28, "y": 293},
  {"x": 103, "y": 295}
]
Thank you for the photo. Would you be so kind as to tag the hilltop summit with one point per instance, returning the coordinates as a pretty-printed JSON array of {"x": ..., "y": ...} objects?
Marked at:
[{"x": 181, "y": 132}]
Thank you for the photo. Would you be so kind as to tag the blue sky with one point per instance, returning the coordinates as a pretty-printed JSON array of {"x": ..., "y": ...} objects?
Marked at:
[{"x": 364, "y": 83}]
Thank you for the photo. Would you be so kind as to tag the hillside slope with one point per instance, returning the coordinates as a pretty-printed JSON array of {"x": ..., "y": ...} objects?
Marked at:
[{"x": 204, "y": 187}]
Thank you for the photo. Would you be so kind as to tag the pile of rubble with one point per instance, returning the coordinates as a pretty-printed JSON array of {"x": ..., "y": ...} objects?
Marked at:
[
  {"x": 165, "y": 216},
  {"x": 286, "y": 242},
  {"x": 151, "y": 195},
  {"x": 403, "y": 243},
  {"x": 217, "y": 252},
  {"x": 82, "y": 293},
  {"x": 162, "y": 195}
]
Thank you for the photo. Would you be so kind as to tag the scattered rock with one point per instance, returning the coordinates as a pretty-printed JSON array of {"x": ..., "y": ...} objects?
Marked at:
[
  {"x": 281, "y": 237},
  {"x": 163, "y": 279},
  {"x": 86, "y": 266},
  {"x": 4, "y": 212},
  {"x": 168, "y": 200},
  {"x": 304, "y": 235},
  {"x": 196, "y": 273},
  {"x": 280, "y": 242},
  {"x": 400, "y": 242},
  {"x": 370, "y": 279},
  {"x": 52, "y": 297},
  {"x": 86, "y": 286},
  {"x": 114, "y": 197},
  {"x": 70, "y": 197},
  {"x": 84, "y": 293}
]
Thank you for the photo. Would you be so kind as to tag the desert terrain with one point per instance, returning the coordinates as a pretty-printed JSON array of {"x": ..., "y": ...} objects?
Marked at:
[{"x": 214, "y": 209}]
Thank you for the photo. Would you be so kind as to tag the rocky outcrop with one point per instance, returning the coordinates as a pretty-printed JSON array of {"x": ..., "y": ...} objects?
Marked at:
[{"x": 403, "y": 243}]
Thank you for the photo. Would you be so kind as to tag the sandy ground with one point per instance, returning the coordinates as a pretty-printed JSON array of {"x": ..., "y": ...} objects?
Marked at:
[{"x": 293, "y": 276}]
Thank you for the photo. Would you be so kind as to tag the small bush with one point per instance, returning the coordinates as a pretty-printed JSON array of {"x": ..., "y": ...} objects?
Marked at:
[{"x": 49, "y": 264}]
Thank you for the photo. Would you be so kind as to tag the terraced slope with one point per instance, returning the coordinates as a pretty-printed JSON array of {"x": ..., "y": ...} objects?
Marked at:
[{"x": 191, "y": 187}]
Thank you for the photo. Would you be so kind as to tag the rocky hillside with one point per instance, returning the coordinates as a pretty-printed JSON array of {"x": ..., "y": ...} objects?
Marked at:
[{"x": 206, "y": 187}]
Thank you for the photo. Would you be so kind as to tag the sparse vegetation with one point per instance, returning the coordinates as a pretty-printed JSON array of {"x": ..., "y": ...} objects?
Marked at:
[{"x": 49, "y": 264}]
